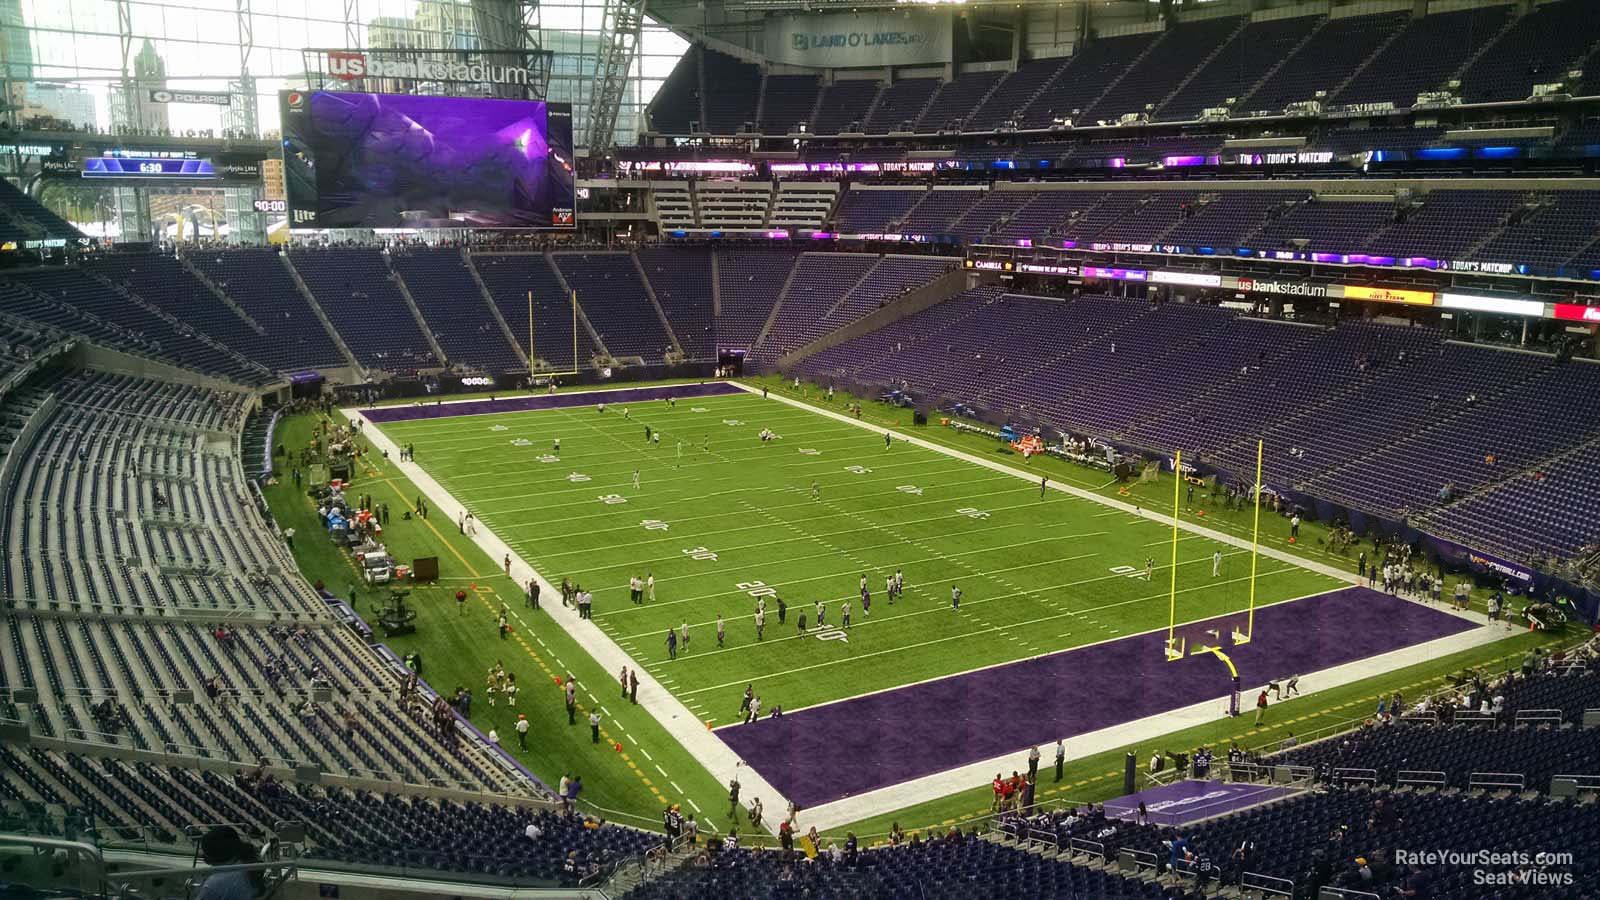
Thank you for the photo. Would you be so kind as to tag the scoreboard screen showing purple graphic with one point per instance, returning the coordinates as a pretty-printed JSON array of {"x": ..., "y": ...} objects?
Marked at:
[{"x": 361, "y": 160}]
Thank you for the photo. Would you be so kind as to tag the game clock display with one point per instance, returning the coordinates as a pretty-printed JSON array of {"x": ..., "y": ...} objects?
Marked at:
[{"x": 139, "y": 167}]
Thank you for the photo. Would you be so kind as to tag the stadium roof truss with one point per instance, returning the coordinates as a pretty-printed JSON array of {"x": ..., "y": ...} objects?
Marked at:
[{"x": 620, "y": 26}]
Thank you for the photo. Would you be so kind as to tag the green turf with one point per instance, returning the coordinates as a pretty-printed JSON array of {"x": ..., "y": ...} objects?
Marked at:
[
  {"x": 1038, "y": 575},
  {"x": 457, "y": 650}
]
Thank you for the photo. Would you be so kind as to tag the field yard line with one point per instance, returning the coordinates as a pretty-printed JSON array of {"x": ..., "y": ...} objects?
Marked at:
[
  {"x": 775, "y": 584},
  {"x": 753, "y": 444},
  {"x": 664, "y": 706},
  {"x": 864, "y": 622},
  {"x": 701, "y": 534},
  {"x": 675, "y": 789},
  {"x": 993, "y": 628},
  {"x": 1016, "y": 592},
  {"x": 626, "y": 482},
  {"x": 1150, "y": 728},
  {"x": 1080, "y": 493},
  {"x": 808, "y": 503}
]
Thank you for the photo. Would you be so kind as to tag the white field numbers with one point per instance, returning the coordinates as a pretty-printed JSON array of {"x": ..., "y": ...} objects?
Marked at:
[
  {"x": 910, "y": 489},
  {"x": 762, "y": 589},
  {"x": 653, "y": 525},
  {"x": 612, "y": 499},
  {"x": 577, "y": 477},
  {"x": 972, "y": 512},
  {"x": 1127, "y": 571},
  {"x": 700, "y": 553},
  {"x": 858, "y": 470}
]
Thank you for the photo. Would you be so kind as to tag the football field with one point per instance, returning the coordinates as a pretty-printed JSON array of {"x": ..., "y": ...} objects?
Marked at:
[{"x": 723, "y": 519}]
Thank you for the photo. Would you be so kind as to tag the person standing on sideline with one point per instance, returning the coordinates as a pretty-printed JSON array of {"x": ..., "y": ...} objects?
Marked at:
[
  {"x": 1149, "y": 568},
  {"x": 1044, "y": 484},
  {"x": 633, "y": 687},
  {"x": 761, "y": 625},
  {"x": 899, "y": 584},
  {"x": 1216, "y": 564},
  {"x": 888, "y": 440},
  {"x": 556, "y": 450},
  {"x": 1061, "y": 758},
  {"x": 572, "y": 701},
  {"x": 461, "y": 602},
  {"x": 594, "y": 727},
  {"x": 672, "y": 644},
  {"x": 733, "y": 798},
  {"x": 508, "y": 564},
  {"x": 522, "y": 732},
  {"x": 533, "y": 593},
  {"x": 844, "y": 613},
  {"x": 722, "y": 631},
  {"x": 650, "y": 586},
  {"x": 1033, "y": 763},
  {"x": 635, "y": 589},
  {"x": 820, "y": 612},
  {"x": 1361, "y": 565},
  {"x": 683, "y": 635},
  {"x": 624, "y": 679},
  {"x": 1261, "y": 708},
  {"x": 783, "y": 610},
  {"x": 1294, "y": 528},
  {"x": 636, "y": 479},
  {"x": 955, "y": 597}
]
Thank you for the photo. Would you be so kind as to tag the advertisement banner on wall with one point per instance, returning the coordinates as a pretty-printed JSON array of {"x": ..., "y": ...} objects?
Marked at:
[
  {"x": 859, "y": 40},
  {"x": 1577, "y": 312},
  {"x": 1388, "y": 295}
]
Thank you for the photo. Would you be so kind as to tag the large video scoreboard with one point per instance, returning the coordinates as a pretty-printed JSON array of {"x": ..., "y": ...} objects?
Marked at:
[{"x": 360, "y": 160}]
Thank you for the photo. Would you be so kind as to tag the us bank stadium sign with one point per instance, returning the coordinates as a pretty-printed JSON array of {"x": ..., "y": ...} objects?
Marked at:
[
  {"x": 847, "y": 40},
  {"x": 334, "y": 66}
]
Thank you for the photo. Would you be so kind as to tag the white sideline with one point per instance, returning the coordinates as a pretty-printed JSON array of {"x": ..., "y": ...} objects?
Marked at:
[
  {"x": 1149, "y": 728},
  {"x": 723, "y": 763},
  {"x": 684, "y": 726},
  {"x": 941, "y": 784}
]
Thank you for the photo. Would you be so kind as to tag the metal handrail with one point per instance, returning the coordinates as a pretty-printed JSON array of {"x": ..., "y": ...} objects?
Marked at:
[
  {"x": 1582, "y": 782},
  {"x": 1421, "y": 778},
  {"x": 1497, "y": 781},
  {"x": 1266, "y": 884}
]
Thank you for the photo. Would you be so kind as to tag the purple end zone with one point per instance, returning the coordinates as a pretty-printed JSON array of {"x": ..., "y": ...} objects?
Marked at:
[
  {"x": 824, "y": 753},
  {"x": 1183, "y": 802},
  {"x": 524, "y": 402}
]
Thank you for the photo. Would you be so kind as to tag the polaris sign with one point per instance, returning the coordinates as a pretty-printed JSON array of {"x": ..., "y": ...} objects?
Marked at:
[{"x": 860, "y": 40}]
